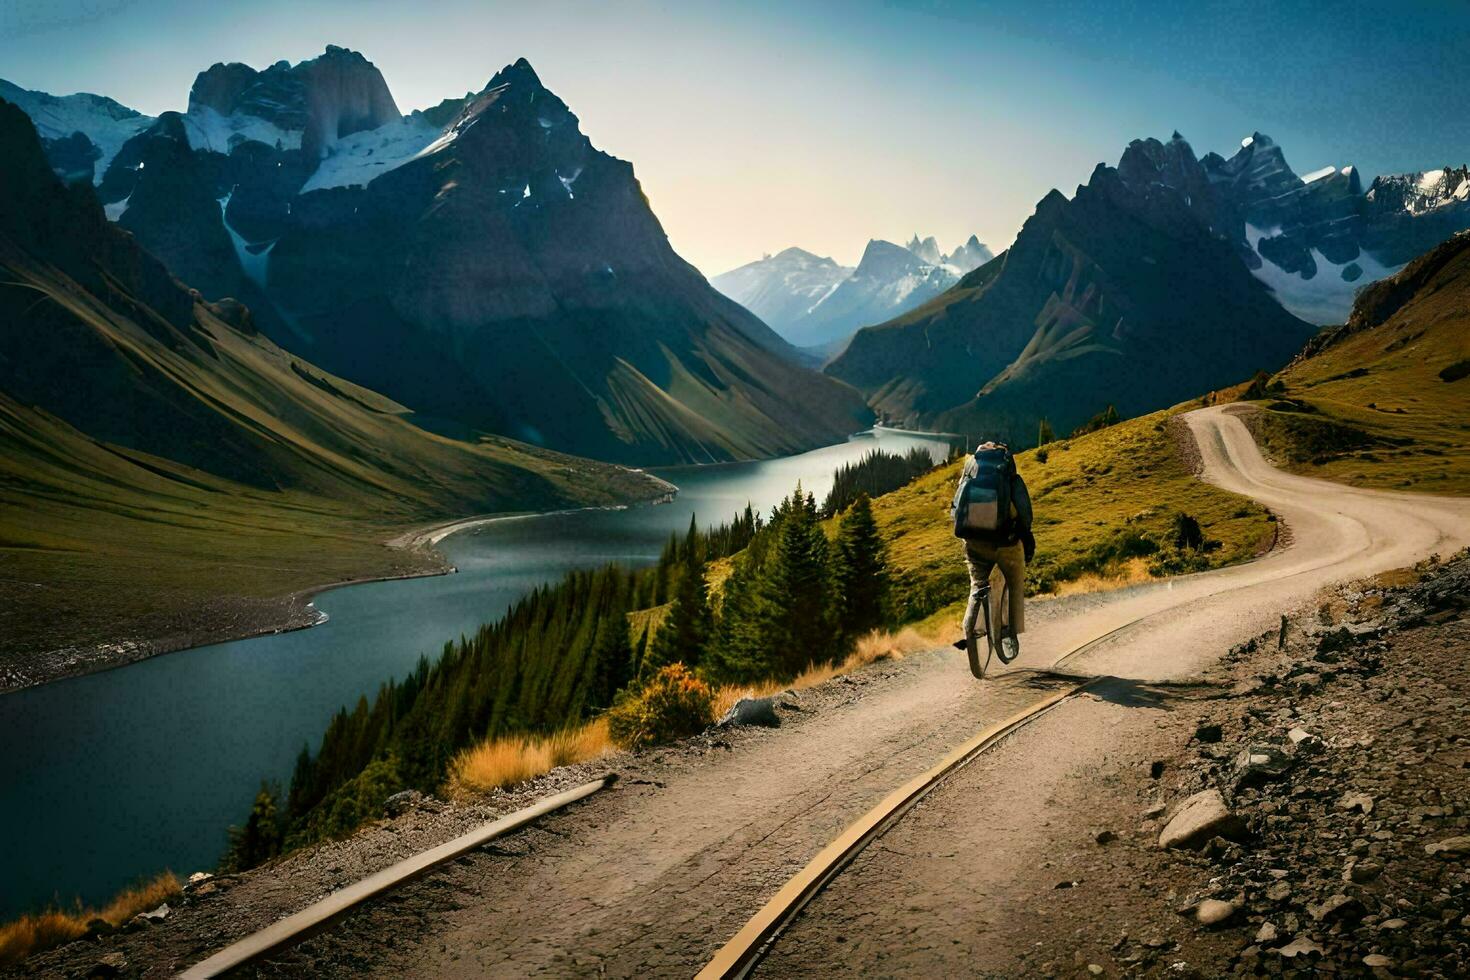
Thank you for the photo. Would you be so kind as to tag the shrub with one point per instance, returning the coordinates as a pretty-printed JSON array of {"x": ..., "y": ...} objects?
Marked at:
[
  {"x": 673, "y": 704},
  {"x": 55, "y": 927},
  {"x": 1187, "y": 533}
]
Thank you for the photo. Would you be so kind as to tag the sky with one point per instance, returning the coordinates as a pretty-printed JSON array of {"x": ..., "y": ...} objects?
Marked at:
[{"x": 759, "y": 125}]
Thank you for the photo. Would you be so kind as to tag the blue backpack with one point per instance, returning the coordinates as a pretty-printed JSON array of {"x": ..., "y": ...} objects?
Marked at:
[{"x": 982, "y": 502}]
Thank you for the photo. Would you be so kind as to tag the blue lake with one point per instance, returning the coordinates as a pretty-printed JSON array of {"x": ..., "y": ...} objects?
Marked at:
[{"x": 117, "y": 775}]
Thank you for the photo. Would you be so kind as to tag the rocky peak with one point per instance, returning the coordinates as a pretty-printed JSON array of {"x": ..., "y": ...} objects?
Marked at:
[
  {"x": 220, "y": 86},
  {"x": 970, "y": 255},
  {"x": 336, "y": 94},
  {"x": 928, "y": 249},
  {"x": 886, "y": 260},
  {"x": 1418, "y": 193}
]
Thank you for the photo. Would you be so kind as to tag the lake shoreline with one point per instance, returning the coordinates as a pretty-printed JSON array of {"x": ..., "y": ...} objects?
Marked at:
[{"x": 228, "y": 618}]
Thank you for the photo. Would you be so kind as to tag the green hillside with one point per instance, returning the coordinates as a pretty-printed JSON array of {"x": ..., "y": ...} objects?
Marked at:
[
  {"x": 1107, "y": 506},
  {"x": 1384, "y": 401},
  {"x": 169, "y": 475}
]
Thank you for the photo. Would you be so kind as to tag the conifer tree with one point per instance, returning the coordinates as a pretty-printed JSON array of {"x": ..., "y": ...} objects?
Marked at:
[
  {"x": 260, "y": 839},
  {"x": 799, "y": 614},
  {"x": 737, "y": 652},
  {"x": 861, "y": 566},
  {"x": 687, "y": 629}
]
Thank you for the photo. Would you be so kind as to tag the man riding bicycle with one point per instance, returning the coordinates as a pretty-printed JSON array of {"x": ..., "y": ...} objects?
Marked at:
[{"x": 992, "y": 513}]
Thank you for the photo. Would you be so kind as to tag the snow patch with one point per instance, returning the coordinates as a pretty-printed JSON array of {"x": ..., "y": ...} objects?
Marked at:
[
  {"x": 567, "y": 182},
  {"x": 206, "y": 129},
  {"x": 115, "y": 210},
  {"x": 1326, "y": 298},
  {"x": 354, "y": 161},
  {"x": 254, "y": 257},
  {"x": 106, "y": 123},
  {"x": 1430, "y": 181},
  {"x": 1317, "y": 175}
]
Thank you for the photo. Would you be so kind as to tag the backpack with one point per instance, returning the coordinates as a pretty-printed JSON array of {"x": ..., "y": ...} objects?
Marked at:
[{"x": 982, "y": 502}]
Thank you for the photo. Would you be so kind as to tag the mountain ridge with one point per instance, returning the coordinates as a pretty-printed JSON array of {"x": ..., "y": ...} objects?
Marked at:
[
  {"x": 362, "y": 245},
  {"x": 816, "y": 304}
]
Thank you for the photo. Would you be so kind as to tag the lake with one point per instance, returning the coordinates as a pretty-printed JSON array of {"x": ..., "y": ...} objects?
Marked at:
[{"x": 117, "y": 775}]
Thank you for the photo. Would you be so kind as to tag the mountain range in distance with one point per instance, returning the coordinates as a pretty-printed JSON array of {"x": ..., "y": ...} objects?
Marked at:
[
  {"x": 816, "y": 304},
  {"x": 1162, "y": 277},
  {"x": 359, "y": 237}
]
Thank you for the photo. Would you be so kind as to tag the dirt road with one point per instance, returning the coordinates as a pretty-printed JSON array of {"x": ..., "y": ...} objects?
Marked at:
[{"x": 654, "y": 875}]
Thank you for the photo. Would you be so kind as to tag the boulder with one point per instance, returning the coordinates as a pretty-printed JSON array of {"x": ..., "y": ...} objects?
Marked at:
[
  {"x": 1337, "y": 908},
  {"x": 1214, "y": 912},
  {"x": 1199, "y": 819},
  {"x": 752, "y": 711},
  {"x": 157, "y": 915},
  {"x": 1449, "y": 849},
  {"x": 1300, "y": 946},
  {"x": 400, "y": 803},
  {"x": 1259, "y": 764}
]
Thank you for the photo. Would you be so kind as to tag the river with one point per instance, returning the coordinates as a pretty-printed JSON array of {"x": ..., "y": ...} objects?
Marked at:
[{"x": 117, "y": 775}]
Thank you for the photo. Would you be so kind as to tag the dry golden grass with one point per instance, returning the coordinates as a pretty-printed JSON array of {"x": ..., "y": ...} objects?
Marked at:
[
  {"x": 1131, "y": 572},
  {"x": 55, "y": 927},
  {"x": 499, "y": 763},
  {"x": 877, "y": 645}
]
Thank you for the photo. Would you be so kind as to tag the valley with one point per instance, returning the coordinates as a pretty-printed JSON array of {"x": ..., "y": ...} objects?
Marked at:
[{"x": 383, "y": 451}]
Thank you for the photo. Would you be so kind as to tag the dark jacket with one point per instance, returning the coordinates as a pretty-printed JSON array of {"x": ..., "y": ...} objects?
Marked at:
[{"x": 1020, "y": 509}]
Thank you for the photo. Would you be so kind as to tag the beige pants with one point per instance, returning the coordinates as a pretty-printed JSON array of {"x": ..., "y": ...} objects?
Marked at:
[{"x": 982, "y": 560}]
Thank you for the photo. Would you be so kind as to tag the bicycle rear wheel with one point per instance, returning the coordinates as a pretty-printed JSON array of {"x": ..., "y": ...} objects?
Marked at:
[{"x": 1003, "y": 639}]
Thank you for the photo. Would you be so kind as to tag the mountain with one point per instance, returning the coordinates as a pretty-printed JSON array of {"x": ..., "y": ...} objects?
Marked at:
[
  {"x": 969, "y": 256},
  {"x": 888, "y": 280},
  {"x": 101, "y": 338},
  {"x": 928, "y": 249},
  {"x": 816, "y": 304},
  {"x": 480, "y": 262},
  {"x": 1316, "y": 240},
  {"x": 1123, "y": 295},
  {"x": 80, "y": 133},
  {"x": 783, "y": 288},
  {"x": 170, "y": 476}
]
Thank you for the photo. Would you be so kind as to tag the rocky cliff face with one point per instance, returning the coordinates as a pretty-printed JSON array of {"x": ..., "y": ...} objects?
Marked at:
[{"x": 322, "y": 100}]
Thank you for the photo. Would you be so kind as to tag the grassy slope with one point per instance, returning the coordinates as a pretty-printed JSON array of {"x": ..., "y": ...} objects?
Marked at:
[
  {"x": 101, "y": 544},
  {"x": 1129, "y": 479},
  {"x": 1372, "y": 409}
]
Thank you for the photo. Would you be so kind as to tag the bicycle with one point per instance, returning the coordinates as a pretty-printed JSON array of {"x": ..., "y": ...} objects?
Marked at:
[{"x": 1000, "y": 643}]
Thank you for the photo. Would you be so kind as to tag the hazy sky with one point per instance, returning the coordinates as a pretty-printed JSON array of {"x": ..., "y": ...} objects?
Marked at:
[{"x": 756, "y": 125}]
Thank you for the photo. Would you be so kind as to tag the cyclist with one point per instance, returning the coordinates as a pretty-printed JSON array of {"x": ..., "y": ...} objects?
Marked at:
[{"x": 992, "y": 513}]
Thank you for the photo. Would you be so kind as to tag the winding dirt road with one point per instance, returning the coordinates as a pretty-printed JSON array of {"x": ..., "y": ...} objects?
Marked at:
[{"x": 654, "y": 875}]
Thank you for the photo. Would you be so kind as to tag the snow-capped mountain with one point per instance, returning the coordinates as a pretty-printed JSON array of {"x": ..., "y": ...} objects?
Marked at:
[
  {"x": 969, "y": 256},
  {"x": 80, "y": 133},
  {"x": 480, "y": 261},
  {"x": 815, "y": 303},
  {"x": 928, "y": 249},
  {"x": 782, "y": 289},
  {"x": 1316, "y": 240}
]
